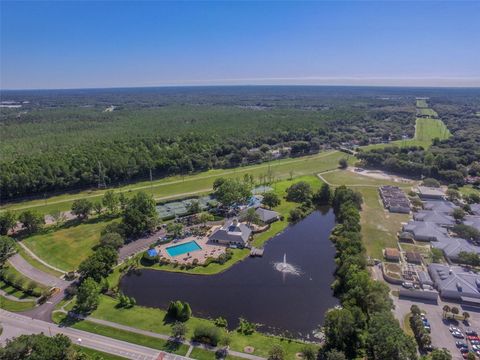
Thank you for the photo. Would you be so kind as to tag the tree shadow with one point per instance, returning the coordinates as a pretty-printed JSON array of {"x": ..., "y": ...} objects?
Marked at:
[{"x": 172, "y": 345}]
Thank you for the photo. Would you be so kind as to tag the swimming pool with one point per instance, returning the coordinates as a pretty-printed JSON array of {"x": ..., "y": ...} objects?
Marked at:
[{"x": 184, "y": 248}]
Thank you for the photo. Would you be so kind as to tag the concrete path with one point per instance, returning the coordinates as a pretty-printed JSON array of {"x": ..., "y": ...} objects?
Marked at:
[
  {"x": 162, "y": 336},
  {"x": 139, "y": 245},
  {"x": 32, "y": 254},
  {"x": 19, "y": 263},
  {"x": 16, "y": 324}
]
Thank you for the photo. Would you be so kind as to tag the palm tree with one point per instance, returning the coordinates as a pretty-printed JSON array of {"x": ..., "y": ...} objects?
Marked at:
[{"x": 446, "y": 309}]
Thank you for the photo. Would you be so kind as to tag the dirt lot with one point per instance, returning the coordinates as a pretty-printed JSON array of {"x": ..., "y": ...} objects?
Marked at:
[{"x": 381, "y": 175}]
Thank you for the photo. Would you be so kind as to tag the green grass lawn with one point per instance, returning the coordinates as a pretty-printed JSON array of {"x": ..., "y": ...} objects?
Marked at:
[
  {"x": 15, "y": 306},
  {"x": 122, "y": 335},
  {"x": 425, "y": 131},
  {"x": 9, "y": 269},
  {"x": 175, "y": 186},
  {"x": 379, "y": 227},
  {"x": 428, "y": 112},
  {"x": 67, "y": 247},
  {"x": 95, "y": 354},
  {"x": 202, "y": 354},
  {"x": 468, "y": 189},
  {"x": 422, "y": 103},
  {"x": 152, "y": 319},
  {"x": 37, "y": 264}
]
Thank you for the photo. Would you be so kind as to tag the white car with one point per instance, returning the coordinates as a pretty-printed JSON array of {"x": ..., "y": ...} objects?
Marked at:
[
  {"x": 453, "y": 328},
  {"x": 457, "y": 334}
]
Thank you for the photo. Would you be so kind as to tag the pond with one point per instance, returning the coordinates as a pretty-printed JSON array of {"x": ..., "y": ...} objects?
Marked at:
[{"x": 254, "y": 289}]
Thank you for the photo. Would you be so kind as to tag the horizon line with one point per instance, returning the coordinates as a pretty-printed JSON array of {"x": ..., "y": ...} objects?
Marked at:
[{"x": 405, "y": 82}]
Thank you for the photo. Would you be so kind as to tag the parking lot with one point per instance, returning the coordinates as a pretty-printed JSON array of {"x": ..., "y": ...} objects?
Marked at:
[{"x": 440, "y": 333}]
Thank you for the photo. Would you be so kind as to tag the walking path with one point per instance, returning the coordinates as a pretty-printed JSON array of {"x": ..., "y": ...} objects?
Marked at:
[
  {"x": 160, "y": 336},
  {"x": 33, "y": 273},
  {"x": 32, "y": 254}
]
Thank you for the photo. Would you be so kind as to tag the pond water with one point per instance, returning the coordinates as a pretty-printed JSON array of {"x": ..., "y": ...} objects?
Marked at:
[{"x": 254, "y": 289}]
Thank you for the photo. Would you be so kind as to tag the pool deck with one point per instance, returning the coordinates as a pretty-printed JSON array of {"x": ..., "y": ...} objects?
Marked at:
[{"x": 208, "y": 250}]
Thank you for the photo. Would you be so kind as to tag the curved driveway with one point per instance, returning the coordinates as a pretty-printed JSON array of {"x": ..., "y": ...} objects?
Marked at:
[{"x": 33, "y": 273}]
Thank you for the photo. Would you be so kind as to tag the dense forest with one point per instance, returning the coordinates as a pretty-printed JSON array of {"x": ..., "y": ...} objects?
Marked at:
[
  {"x": 452, "y": 160},
  {"x": 74, "y": 139}
]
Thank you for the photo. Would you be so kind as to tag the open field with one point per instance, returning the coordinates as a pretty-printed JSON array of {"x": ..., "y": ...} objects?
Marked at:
[
  {"x": 422, "y": 103},
  {"x": 425, "y": 131},
  {"x": 379, "y": 226},
  {"x": 15, "y": 306},
  {"x": 427, "y": 112},
  {"x": 428, "y": 129},
  {"x": 349, "y": 178},
  {"x": 66, "y": 247},
  {"x": 178, "y": 186},
  {"x": 151, "y": 319}
]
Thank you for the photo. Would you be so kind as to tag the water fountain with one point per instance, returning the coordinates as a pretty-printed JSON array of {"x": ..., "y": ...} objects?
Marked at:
[{"x": 285, "y": 267}]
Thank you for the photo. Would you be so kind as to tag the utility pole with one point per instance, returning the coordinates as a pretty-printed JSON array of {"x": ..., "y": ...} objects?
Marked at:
[{"x": 101, "y": 177}]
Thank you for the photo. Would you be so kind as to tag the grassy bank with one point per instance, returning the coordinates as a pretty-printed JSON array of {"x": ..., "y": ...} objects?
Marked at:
[
  {"x": 153, "y": 320},
  {"x": 15, "y": 306},
  {"x": 122, "y": 335}
]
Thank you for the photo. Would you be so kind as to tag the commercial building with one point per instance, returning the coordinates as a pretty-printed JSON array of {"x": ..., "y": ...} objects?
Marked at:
[{"x": 456, "y": 283}]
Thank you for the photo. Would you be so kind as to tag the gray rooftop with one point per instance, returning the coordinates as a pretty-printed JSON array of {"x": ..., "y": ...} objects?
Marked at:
[
  {"x": 473, "y": 221},
  {"x": 435, "y": 217},
  {"x": 475, "y": 209},
  {"x": 455, "y": 281},
  {"x": 430, "y": 191},
  {"x": 425, "y": 231},
  {"x": 232, "y": 231},
  {"x": 443, "y": 206},
  {"x": 452, "y": 246},
  {"x": 266, "y": 215}
]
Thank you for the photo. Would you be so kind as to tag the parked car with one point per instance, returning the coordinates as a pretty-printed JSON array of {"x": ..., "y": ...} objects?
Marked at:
[
  {"x": 453, "y": 328},
  {"x": 464, "y": 350},
  {"x": 461, "y": 344},
  {"x": 472, "y": 337},
  {"x": 471, "y": 332},
  {"x": 407, "y": 284},
  {"x": 475, "y": 342},
  {"x": 458, "y": 335}
]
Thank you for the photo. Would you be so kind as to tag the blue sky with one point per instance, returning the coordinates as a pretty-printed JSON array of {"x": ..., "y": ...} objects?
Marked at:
[{"x": 114, "y": 44}]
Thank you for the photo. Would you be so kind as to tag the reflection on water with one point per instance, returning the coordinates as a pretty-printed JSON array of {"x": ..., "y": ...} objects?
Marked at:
[{"x": 254, "y": 289}]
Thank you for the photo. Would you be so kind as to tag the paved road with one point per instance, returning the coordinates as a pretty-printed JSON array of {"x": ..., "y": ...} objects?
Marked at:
[
  {"x": 19, "y": 263},
  {"x": 138, "y": 245},
  {"x": 16, "y": 324},
  {"x": 163, "y": 337}
]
